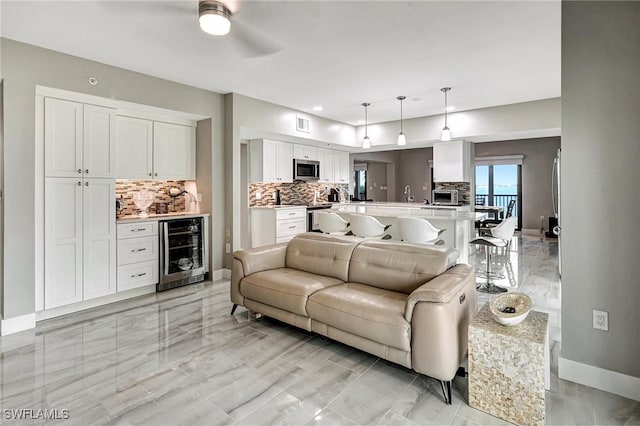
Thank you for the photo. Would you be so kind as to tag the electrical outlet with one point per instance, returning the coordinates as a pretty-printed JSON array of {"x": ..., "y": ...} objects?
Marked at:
[
  {"x": 227, "y": 247},
  {"x": 258, "y": 195},
  {"x": 601, "y": 320}
]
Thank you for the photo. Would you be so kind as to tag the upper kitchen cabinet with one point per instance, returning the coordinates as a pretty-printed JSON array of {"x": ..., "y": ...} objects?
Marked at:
[
  {"x": 327, "y": 160},
  {"x": 134, "y": 148},
  {"x": 305, "y": 152},
  {"x": 341, "y": 167},
  {"x": 271, "y": 161},
  {"x": 147, "y": 149},
  {"x": 79, "y": 139},
  {"x": 452, "y": 161},
  {"x": 174, "y": 151}
]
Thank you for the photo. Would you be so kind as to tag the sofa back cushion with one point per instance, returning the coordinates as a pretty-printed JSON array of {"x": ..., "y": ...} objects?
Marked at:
[
  {"x": 397, "y": 266},
  {"x": 321, "y": 254}
]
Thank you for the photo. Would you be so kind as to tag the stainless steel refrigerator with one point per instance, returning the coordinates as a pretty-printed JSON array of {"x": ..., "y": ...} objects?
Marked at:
[{"x": 555, "y": 198}]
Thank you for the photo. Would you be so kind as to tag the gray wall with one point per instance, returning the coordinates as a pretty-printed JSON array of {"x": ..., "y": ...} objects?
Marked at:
[
  {"x": 389, "y": 158},
  {"x": 376, "y": 177},
  {"x": 25, "y": 66},
  {"x": 601, "y": 183},
  {"x": 413, "y": 169},
  {"x": 536, "y": 174}
]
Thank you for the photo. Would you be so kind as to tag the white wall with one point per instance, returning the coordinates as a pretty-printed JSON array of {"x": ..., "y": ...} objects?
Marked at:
[{"x": 601, "y": 191}]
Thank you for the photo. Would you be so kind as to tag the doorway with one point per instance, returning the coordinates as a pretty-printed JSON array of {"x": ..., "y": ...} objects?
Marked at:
[
  {"x": 498, "y": 184},
  {"x": 360, "y": 178}
]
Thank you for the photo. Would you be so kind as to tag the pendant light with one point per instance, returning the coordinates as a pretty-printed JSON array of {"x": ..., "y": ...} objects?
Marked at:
[
  {"x": 446, "y": 133},
  {"x": 214, "y": 18},
  {"x": 366, "y": 142},
  {"x": 402, "y": 140}
]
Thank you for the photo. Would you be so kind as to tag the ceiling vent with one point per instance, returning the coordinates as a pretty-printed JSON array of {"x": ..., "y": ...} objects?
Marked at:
[{"x": 303, "y": 124}]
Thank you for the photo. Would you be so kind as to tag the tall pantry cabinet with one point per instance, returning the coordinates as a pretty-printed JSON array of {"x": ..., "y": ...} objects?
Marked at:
[{"x": 79, "y": 220}]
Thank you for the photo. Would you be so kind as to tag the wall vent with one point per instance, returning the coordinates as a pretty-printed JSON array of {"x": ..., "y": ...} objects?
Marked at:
[{"x": 303, "y": 124}]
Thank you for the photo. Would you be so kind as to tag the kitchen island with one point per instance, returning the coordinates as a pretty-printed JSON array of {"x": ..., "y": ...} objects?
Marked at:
[{"x": 454, "y": 220}]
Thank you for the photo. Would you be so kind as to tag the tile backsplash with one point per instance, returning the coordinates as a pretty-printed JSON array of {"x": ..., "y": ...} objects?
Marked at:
[
  {"x": 464, "y": 190},
  {"x": 127, "y": 188},
  {"x": 291, "y": 193}
]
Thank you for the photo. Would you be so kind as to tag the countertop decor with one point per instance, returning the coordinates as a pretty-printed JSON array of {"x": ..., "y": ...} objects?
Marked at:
[{"x": 511, "y": 308}]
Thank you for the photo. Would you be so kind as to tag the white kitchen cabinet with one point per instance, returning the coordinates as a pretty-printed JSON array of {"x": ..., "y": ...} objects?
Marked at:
[
  {"x": 147, "y": 149},
  {"x": 174, "y": 151},
  {"x": 79, "y": 240},
  {"x": 452, "y": 161},
  {"x": 134, "y": 148},
  {"x": 305, "y": 152},
  {"x": 271, "y": 161},
  {"x": 276, "y": 225},
  {"x": 326, "y": 157},
  {"x": 341, "y": 167},
  {"x": 79, "y": 139},
  {"x": 138, "y": 255}
]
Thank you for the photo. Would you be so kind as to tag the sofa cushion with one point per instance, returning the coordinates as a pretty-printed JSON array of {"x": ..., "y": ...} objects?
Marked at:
[
  {"x": 396, "y": 266},
  {"x": 321, "y": 254},
  {"x": 366, "y": 311},
  {"x": 284, "y": 288}
]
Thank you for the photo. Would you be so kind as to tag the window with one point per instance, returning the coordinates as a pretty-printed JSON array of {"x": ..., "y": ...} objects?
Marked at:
[{"x": 498, "y": 181}]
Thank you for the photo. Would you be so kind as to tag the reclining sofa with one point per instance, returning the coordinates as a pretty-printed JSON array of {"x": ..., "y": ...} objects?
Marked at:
[{"x": 402, "y": 302}]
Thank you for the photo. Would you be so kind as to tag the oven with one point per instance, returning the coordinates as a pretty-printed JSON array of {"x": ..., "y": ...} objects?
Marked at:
[{"x": 184, "y": 256}]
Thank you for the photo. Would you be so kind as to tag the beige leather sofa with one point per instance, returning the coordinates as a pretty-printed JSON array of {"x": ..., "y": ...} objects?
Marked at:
[{"x": 401, "y": 302}]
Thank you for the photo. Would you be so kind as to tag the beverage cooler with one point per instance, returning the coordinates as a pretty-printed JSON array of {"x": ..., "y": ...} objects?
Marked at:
[{"x": 183, "y": 252}]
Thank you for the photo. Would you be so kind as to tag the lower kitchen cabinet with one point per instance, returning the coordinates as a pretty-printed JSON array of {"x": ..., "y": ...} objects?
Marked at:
[
  {"x": 80, "y": 240},
  {"x": 276, "y": 225},
  {"x": 138, "y": 255}
]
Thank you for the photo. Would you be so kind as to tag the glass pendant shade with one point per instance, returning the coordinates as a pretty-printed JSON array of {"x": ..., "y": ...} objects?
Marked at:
[
  {"x": 446, "y": 134},
  {"x": 366, "y": 142},
  {"x": 402, "y": 140}
]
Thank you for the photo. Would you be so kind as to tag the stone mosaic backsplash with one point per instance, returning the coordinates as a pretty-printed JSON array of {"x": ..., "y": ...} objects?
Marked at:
[
  {"x": 292, "y": 193},
  {"x": 464, "y": 190},
  {"x": 127, "y": 188}
]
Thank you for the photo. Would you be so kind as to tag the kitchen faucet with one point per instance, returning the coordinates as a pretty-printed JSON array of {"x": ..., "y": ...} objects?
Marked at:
[{"x": 407, "y": 193}]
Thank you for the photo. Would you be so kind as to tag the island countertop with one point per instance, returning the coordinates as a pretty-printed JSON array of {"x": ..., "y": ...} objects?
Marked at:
[
  {"x": 425, "y": 212},
  {"x": 157, "y": 217}
]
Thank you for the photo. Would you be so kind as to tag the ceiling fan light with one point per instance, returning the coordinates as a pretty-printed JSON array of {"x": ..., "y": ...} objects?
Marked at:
[
  {"x": 214, "y": 18},
  {"x": 366, "y": 142},
  {"x": 402, "y": 140},
  {"x": 446, "y": 134}
]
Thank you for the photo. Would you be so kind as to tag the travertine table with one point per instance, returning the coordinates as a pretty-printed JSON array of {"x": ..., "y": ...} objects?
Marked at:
[{"x": 508, "y": 367}]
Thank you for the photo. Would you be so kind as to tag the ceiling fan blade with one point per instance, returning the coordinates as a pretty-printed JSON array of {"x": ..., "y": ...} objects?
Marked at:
[{"x": 250, "y": 43}]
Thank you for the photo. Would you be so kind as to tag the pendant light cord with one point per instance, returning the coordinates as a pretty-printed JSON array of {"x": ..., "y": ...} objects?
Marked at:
[
  {"x": 400, "y": 115},
  {"x": 445, "y": 108}
]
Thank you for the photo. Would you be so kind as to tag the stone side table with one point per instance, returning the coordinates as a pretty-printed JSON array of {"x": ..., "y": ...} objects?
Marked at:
[{"x": 508, "y": 367}]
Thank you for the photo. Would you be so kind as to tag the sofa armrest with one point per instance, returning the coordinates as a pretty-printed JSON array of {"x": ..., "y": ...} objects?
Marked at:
[
  {"x": 250, "y": 261},
  {"x": 440, "y": 312},
  {"x": 441, "y": 289}
]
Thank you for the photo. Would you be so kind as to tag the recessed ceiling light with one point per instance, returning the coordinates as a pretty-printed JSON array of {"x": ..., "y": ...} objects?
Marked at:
[
  {"x": 317, "y": 108},
  {"x": 450, "y": 108}
]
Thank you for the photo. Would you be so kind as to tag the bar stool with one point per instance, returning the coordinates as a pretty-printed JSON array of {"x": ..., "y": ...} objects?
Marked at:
[
  {"x": 501, "y": 237},
  {"x": 368, "y": 227},
  {"x": 418, "y": 230},
  {"x": 332, "y": 223}
]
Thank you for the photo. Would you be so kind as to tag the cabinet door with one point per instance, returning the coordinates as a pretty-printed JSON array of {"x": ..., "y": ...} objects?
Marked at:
[
  {"x": 341, "y": 169},
  {"x": 174, "y": 149},
  {"x": 62, "y": 138},
  {"x": 285, "y": 162},
  {"x": 134, "y": 148},
  {"x": 99, "y": 146},
  {"x": 270, "y": 161},
  {"x": 305, "y": 152},
  {"x": 449, "y": 161},
  {"x": 99, "y": 238},
  {"x": 63, "y": 241},
  {"x": 327, "y": 166}
]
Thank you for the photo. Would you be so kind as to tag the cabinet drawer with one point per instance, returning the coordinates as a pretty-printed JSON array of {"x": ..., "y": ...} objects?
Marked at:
[
  {"x": 134, "y": 250},
  {"x": 290, "y": 214},
  {"x": 285, "y": 239},
  {"x": 138, "y": 229},
  {"x": 290, "y": 227},
  {"x": 137, "y": 275}
]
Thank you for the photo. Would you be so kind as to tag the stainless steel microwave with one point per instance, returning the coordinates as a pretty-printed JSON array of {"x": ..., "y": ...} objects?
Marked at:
[
  {"x": 447, "y": 197},
  {"x": 306, "y": 170}
]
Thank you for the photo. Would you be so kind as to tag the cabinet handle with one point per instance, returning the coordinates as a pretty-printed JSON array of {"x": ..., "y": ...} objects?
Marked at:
[
  {"x": 138, "y": 275},
  {"x": 79, "y": 183},
  {"x": 138, "y": 229},
  {"x": 155, "y": 174},
  {"x": 138, "y": 250},
  {"x": 150, "y": 174},
  {"x": 86, "y": 184},
  {"x": 292, "y": 214},
  {"x": 79, "y": 170},
  {"x": 87, "y": 171},
  {"x": 292, "y": 227}
]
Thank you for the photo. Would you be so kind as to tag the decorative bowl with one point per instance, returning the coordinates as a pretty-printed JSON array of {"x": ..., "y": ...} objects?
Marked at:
[
  {"x": 143, "y": 200},
  {"x": 511, "y": 308}
]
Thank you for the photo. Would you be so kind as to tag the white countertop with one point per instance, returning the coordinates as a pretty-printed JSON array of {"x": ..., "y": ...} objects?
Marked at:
[
  {"x": 282, "y": 206},
  {"x": 395, "y": 211},
  {"x": 157, "y": 217},
  {"x": 386, "y": 204}
]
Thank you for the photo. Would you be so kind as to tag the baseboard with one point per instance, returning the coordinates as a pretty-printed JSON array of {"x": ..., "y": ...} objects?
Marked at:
[
  {"x": 17, "y": 324},
  {"x": 93, "y": 303},
  {"x": 221, "y": 274},
  {"x": 599, "y": 378}
]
